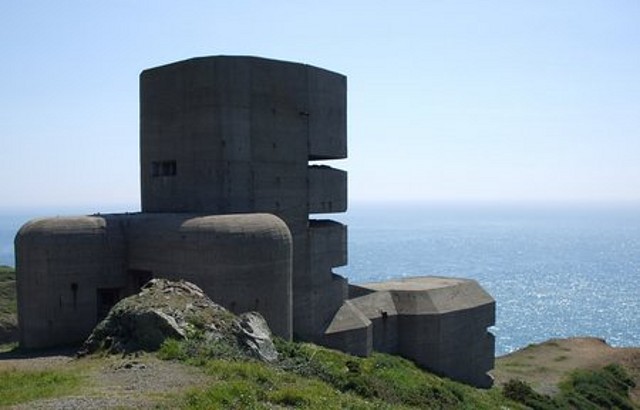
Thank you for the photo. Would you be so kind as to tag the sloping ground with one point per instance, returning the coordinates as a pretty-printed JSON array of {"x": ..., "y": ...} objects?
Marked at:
[
  {"x": 308, "y": 377},
  {"x": 543, "y": 366}
]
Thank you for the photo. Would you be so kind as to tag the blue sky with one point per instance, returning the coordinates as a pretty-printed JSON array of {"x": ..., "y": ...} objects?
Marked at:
[{"x": 448, "y": 100}]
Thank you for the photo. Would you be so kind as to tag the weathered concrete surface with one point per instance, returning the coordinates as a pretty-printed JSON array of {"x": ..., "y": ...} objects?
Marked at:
[
  {"x": 76, "y": 268},
  {"x": 178, "y": 310},
  {"x": 242, "y": 261},
  {"x": 440, "y": 323},
  {"x": 350, "y": 331},
  {"x": 60, "y": 264},
  {"x": 327, "y": 190},
  {"x": 236, "y": 134}
]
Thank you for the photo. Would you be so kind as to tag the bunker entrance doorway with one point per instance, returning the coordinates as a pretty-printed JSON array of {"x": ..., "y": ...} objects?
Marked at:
[
  {"x": 106, "y": 298},
  {"x": 138, "y": 278}
]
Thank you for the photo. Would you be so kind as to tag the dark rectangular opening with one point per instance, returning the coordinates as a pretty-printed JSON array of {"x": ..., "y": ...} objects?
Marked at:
[
  {"x": 106, "y": 299},
  {"x": 138, "y": 278},
  {"x": 164, "y": 168}
]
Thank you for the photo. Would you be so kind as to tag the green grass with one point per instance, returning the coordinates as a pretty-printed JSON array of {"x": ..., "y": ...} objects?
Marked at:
[
  {"x": 250, "y": 384},
  {"x": 606, "y": 388},
  {"x": 24, "y": 386},
  {"x": 313, "y": 377}
]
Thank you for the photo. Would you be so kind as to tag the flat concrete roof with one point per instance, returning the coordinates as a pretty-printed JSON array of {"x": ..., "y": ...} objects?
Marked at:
[
  {"x": 423, "y": 295},
  {"x": 414, "y": 283}
]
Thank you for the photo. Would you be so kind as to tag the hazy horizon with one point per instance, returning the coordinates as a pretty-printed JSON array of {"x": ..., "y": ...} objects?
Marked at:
[{"x": 353, "y": 206}]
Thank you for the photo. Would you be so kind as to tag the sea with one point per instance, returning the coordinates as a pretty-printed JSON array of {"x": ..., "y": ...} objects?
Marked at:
[{"x": 555, "y": 270}]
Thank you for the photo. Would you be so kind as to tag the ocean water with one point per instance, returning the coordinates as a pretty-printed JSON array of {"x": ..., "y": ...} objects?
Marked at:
[{"x": 555, "y": 271}]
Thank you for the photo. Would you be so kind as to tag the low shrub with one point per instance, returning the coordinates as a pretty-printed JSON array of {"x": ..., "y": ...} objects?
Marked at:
[{"x": 606, "y": 388}]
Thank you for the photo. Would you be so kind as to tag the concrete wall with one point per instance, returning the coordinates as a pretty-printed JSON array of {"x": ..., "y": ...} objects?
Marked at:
[
  {"x": 350, "y": 331},
  {"x": 242, "y": 262},
  {"x": 328, "y": 115},
  {"x": 236, "y": 134},
  {"x": 62, "y": 264},
  {"x": 327, "y": 190},
  {"x": 327, "y": 243},
  {"x": 380, "y": 308},
  {"x": 71, "y": 270},
  {"x": 455, "y": 344}
]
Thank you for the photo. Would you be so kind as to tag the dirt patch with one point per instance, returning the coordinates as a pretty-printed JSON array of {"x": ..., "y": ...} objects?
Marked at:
[
  {"x": 546, "y": 364},
  {"x": 110, "y": 382}
]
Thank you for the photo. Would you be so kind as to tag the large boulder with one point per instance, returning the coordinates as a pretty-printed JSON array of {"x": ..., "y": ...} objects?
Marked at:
[{"x": 179, "y": 310}]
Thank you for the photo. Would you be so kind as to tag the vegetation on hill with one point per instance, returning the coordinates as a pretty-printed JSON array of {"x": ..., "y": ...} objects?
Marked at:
[
  {"x": 306, "y": 376},
  {"x": 606, "y": 388},
  {"x": 7, "y": 273},
  {"x": 310, "y": 376},
  {"x": 8, "y": 305},
  {"x": 579, "y": 372}
]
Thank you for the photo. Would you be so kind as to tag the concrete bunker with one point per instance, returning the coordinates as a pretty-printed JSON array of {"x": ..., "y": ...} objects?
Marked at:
[{"x": 228, "y": 185}]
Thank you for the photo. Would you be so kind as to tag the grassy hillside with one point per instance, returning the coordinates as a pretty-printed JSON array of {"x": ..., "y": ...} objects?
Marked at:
[
  {"x": 188, "y": 375},
  {"x": 191, "y": 376},
  {"x": 578, "y": 372},
  {"x": 8, "y": 305},
  {"x": 310, "y": 376}
]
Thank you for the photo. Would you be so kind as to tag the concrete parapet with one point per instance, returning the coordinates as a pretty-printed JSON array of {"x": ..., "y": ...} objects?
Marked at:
[
  {"x": 327, "y": 115},
  {"x": 327, "y": 190},
  {"x": 327, "y": 243}
]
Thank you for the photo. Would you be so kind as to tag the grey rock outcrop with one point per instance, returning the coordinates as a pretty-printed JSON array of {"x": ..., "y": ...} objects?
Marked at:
[{"x": 179, "y": 310}]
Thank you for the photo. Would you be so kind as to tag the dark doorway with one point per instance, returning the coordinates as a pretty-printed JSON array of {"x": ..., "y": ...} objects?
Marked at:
[
  {"x": 138, "y": 278},
  {"x": 106, "y": 298}
]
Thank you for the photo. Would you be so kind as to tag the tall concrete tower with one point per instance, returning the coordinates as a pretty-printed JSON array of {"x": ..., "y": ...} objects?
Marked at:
[{"x": 224, "y": 135}]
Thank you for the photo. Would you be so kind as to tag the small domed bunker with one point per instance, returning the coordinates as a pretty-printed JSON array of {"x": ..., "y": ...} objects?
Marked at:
[
  {"x": 67, "y": 267},
  {"x": 242, "y": 261}
]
